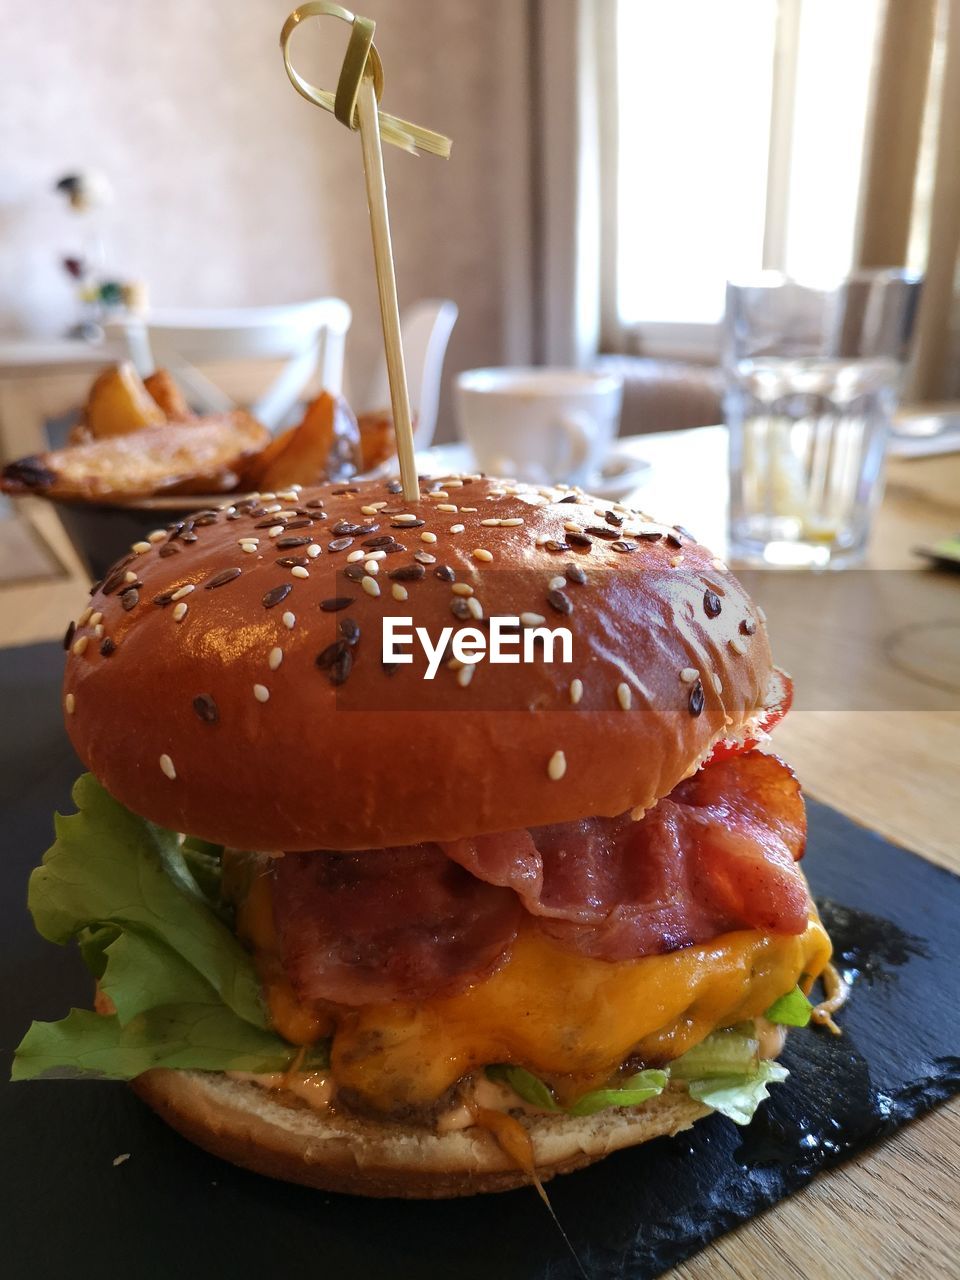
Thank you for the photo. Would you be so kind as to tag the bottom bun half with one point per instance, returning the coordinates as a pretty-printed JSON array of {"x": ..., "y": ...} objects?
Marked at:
[{"x": 250, "y": 1127}]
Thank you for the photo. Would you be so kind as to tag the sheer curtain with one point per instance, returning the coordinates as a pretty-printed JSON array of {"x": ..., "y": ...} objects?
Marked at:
[{"x": 906, "y": 89}]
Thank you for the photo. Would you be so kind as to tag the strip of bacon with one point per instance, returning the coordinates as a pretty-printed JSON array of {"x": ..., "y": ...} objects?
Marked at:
[{"x": 718, "y": 854}]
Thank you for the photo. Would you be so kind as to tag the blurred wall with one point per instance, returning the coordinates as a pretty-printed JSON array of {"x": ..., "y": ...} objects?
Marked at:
[{"x": 230, "y": 189}]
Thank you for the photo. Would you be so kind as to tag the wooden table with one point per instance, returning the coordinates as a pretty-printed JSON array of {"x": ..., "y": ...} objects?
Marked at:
[{"x": 894, "y": 1211}]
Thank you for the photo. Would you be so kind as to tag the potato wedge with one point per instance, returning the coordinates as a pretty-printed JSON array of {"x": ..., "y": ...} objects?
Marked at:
[
  {"x": 119, "y": 403},
  {"x": 378, "y": 442},
  {"x": 207, "y": 453},
  {"x": 163, "y": 390},
  {"x": 324, "y": 446}
]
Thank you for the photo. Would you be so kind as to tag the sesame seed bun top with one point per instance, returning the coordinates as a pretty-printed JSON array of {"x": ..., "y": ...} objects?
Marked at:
[{"x": 227, "y": 681}]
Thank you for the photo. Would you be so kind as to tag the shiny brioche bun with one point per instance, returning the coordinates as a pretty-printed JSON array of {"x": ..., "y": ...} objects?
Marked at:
[
  {"x": 189, "y": 721},
  {"x": 251, "y": 1127}
]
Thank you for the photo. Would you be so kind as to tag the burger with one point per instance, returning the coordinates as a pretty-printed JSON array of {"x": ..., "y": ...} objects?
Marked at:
[{"x": 405, "y": 918}]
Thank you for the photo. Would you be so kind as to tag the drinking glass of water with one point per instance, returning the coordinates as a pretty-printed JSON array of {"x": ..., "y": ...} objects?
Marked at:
[{"x": 812, "y": 379}]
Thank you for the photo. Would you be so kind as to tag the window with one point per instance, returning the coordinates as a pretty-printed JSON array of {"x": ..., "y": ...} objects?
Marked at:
[{"x": 740, "y": 131}]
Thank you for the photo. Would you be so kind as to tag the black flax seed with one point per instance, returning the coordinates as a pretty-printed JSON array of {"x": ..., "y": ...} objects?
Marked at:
[
  {"x": 69, "y": 633},
  {"x": 573, "y": 573},
  {"x": 350, "y": 630},
  {"x": 696, "y": 699},
  {"x": 221, "y": 578},
  {"x": 130, "y": 599},
  {"x": 339, "y": 544},
  {"x": 407, "y": 573},
  {"x": 335, "y": 603},
  {"x": 557, "y": 600},
  {"x": 748, "y": 627},
  {"x": 580, "y": 540},
  {"x": 711, "y": 603},
  {"x": 445, "y": 573},
  {"x": 276, "y": 594},
  {"x": 206, "y": 708},
  {"x": 109, "y": 646}
]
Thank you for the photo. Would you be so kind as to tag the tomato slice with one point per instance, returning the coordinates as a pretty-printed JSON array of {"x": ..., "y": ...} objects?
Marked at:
[{"x": 778, "y": 702}]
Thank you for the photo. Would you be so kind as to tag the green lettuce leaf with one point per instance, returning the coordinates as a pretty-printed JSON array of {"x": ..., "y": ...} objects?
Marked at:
[
  {"x": 108, "y": 867},
  {"x": 202, "y": 1036},
  {"x": 723, "y": 1053},
  {"x": 738, "y": 1097},
  {"x": 525, "y": 1084},
  {"x": 143, "y": 907},
  {"x": 634, "y": 1090},
  {"x": 791, "y": 1010}
]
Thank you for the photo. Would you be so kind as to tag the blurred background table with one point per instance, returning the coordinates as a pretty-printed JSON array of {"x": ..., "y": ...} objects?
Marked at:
[{"x": 892, "y": 766}]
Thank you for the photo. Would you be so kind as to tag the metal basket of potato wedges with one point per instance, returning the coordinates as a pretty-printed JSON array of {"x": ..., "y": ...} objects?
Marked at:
[{"x": 140, "y": 459}]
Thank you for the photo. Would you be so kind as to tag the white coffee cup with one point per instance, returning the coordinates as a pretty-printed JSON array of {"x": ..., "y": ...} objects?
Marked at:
[{"x": 540, "y": 425}]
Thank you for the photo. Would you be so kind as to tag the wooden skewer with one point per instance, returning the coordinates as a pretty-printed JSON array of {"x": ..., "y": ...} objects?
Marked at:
[{"x": 367, "y": 114}]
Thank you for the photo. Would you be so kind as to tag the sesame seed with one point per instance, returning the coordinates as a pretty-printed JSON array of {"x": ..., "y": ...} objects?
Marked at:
[
  {"x": 717, "y": 683},
  {"x": 129, "y": 576},
  {"x": 475, "y": 607},
  {"x": 79, "y": 645},
  {"x": 371, "y": 566},
  {"x": 290, "y": 495},
  {"x": 70, "y": 704},
  {"x": 571, "y": 527},
  {"x": 576, "y": 691},
  {"x": 96, "y": 617},
  {"x": 275, "y": 530},
  {"x": 250, "y": 548},
  {"x": 261, "y": 693},
  {"x": 719, "y": 565},
  {"x": 689, "y": 674},
  {"x": 355, "y": 556},
  {"x": 179, "y": 612},
  {"x": 368, "y": 511},
  {"x": 457, "y": 528},
  {"x": 624, "y": 696},
  {"x": 737, "y": 645},
  {"x": 427, "y": 536},
  {"x": 513, "y": 523},
  {"x": 288, "y": 620},
  {"x": 166, "y": 765},
  {"x": 462, "y": 589},
  {"x": 532, "y": 619},
  {"x": 405, "y": 517},
  {"x": 298, "y": 571},
  {"x": 472, "y": 510},
  {"x": 182, "y": 591},
  {"x": 314, "y": 550},
  {"x": 761, "y": 615},
  {"x": 481, "y": 553},
  {"x": 157, "y": 535},
  {"x": 376, "y": 555},
  {"x": 274, "y": 507},
  {"x": 248, "y": 537},
  {"x": 275, "y": 658},
  {"x": 465, "y": 674},
  {"x": 438, "y": 493},
  {"x": 370, "y": 585},
  {"x": 556, "y": 583},
  {"x": 490, "y": 524},
  {"x": 399, "y": 591},
  {"x": 140, "y": 547},
  {"x": 676, "y": 562},
  {"x": 98, "y": 630},
  {"x": 85, "y": 617},
  {"x": 446, "y": 506},
  {"x": 556, "y": 766}
]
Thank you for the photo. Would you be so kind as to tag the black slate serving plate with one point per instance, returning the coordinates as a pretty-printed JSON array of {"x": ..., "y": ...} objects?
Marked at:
[{"x": 172, "y": 1210}]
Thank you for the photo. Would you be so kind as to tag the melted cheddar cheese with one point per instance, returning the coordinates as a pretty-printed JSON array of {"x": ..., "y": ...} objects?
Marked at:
[{"x": 568, "y": 1018}]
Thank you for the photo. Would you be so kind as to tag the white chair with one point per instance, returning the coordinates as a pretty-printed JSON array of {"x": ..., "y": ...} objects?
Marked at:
[
  {"x": 425, "y": 331},
  {"x": 309, "y": 335}
]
